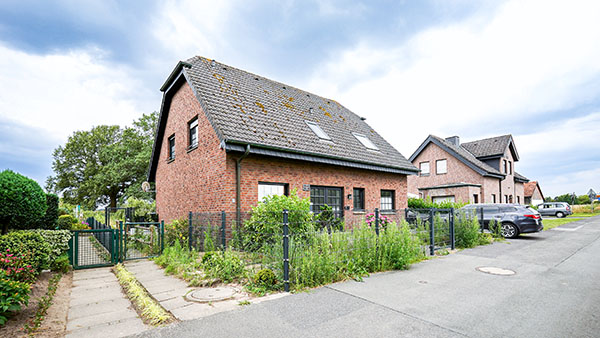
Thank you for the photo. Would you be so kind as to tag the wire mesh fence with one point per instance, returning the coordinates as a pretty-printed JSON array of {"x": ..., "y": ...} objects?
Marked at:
[{"x": 305, "y": 249}]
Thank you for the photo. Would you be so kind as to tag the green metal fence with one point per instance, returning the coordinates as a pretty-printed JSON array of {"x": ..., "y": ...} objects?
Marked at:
[{"x": 141, "y": 239}]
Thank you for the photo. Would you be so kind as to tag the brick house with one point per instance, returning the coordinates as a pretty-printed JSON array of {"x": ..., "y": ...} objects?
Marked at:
[
  {"x": 226, "y": 138},
  {"x": 481, "y": 171},
  {"x": 533, "y": 193}
]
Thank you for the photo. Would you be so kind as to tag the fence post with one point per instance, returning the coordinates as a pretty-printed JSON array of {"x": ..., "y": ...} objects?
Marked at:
[
  {"x": 452, "y": 239},
  {"x": 223, "y": 224},
  {"x": 123, "y": 245},
  {"x": 286, "y": 251},
  {"x": 162, "y": 236},
  {"x": 76, "y": 249},
  {"x": 431, "y": 233},
  {"x": 71, "y": 243},
  {"x": 377, "y": 221},
  {"x": 190, "y": 232}
]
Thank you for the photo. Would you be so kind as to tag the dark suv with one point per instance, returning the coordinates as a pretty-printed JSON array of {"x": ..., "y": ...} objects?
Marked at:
[{"x": 515, "y": 219}]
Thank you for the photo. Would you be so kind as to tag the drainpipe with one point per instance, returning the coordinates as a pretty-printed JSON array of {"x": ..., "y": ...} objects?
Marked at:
[
  {"x": 500, "y": 189},
  {"x": 238, "y": 192}
]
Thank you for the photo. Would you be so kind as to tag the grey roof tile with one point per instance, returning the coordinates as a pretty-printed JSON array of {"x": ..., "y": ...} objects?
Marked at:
[
  {"x": 492, "y": 146},
  {"x": 467, "y": 156},
  {"x": 248, "y": 108}
]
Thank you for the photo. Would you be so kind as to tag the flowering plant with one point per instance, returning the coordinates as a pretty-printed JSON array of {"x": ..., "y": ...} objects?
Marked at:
[
  {"x": 15, "y": 267},
  {"x": 383, "y": 220}
]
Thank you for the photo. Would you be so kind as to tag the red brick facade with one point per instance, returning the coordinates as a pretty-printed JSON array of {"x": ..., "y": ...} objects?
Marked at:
[
  {"x": 489, "y": 189},
  {"x": 203, "y": 179}
]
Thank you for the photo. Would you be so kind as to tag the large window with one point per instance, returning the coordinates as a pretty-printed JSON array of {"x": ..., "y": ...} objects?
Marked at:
[
  {"x": 193, "y": 133},
  {"x": 359, "y": 198},
  {"x": 319, "y": 196},
  {"x": 424, "y": 166},
  {"x": 441, "y": 167},
  {"x": 387, "y": 200},
  {"x": 171, "y": 147},
  {"x": 266, "y": 189}
]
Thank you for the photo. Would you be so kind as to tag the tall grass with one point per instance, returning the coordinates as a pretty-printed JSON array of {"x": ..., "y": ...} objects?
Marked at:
[{"x": 586, "y": 208}]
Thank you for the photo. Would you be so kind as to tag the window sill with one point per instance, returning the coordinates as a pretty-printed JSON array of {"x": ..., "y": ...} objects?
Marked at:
[
  {"x": 189, "y": 149},
  {"x": 424, "y": 175},
  {"x": 358, "y": 212},
  {"x": 387, "y": 212},
  {"x": 440, "y": 173},
  {"x": 170, "y": 160}
]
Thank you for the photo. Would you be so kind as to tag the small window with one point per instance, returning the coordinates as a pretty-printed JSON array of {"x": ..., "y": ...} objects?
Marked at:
[
  {"x": 424, "y": 166},
  {"x": 387, "y": 200},
  {"x": 441, "y": 167},
  {"x": 475, "y": 198},
  {"x": 172, "y": 147},
  {"x": 509, "y": 167},
  {"x": 193, "y": 136},
  {"x": 359, "y": 198},
  {"x": 266, "y": 189},
  {"x": 505, "y": 198},
  {"x": 493, "y": 198},
  {"x": 365, "y": 141},
  {"x": 504, "y": 166},
  {"x": 317, "y": 130},
  {"x": 518, "y": 199}
]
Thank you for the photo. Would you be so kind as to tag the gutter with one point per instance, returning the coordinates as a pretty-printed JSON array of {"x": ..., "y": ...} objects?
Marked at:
[{"x": 238, "y": 192}]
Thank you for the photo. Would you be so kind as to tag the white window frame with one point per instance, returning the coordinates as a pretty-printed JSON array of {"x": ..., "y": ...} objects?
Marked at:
[
  {"x": 266, "y": 189},
  {"x": 365, "y": 141},
  {"x": 428, "y": 168},
  {"x": 193, "y": 124},
  {"x": 317, "y": 130},
  {"x": 437, "y": 166}
]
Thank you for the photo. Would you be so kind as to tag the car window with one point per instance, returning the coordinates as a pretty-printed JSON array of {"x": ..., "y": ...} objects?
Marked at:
[
  {"x": 490, "y": 210},
  {"x": 508, "y": 209},
  {"x": 558, "y": 206}
]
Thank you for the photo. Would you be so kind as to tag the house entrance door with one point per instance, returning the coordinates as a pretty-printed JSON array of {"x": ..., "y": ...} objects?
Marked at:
[{"x": 332, "y": 196}]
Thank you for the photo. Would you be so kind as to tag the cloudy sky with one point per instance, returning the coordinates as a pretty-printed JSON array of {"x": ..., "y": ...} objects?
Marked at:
[{"x": 413, "y": 68}]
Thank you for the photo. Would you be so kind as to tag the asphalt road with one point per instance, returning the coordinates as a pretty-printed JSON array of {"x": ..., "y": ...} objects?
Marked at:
[{"x": 554, "y": 293}]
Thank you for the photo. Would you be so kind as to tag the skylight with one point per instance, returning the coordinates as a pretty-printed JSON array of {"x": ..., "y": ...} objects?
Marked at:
[
  {"x": 317, "y": 130},
  {"x": 365, "y": 141}
]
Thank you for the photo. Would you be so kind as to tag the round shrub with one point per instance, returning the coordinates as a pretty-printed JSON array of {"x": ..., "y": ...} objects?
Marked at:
[
  {"x": 265, "y": 277},
  {"x": 22, "y": 202}
]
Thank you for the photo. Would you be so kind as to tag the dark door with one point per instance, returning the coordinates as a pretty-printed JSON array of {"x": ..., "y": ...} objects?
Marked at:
[{"x": 319, "y": 196}]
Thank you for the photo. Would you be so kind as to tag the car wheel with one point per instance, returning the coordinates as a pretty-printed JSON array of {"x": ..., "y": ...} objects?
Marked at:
[
  {"x": 560, "y": 214},
  {"x": 509, "y": 230}
]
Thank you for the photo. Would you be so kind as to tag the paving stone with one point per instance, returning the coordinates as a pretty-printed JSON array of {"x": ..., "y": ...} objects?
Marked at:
[
  {"x": 162, "y": 296},
  {"x": 192, "y": 311},
  {"x": 95, "y": 287},
  {"x": 92, "y": 296},
  {"x": 119, "y": 328},
  {"x": 102, "y": 318},
  {"x": 98, "y": 308},
  {"x": 175, "y": 303}
]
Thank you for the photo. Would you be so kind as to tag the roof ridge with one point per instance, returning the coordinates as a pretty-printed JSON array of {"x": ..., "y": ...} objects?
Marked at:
[{"x": 489, "y": 138}]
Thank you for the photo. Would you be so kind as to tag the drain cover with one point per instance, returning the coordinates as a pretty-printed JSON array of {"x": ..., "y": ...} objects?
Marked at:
[
  {"x": 496, "y": 271},
  {"x": 205, "y": 295}
]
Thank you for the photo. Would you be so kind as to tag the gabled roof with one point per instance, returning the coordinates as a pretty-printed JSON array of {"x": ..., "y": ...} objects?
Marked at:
[
  {"x": 492, "y": 147},
  {"x": 520, "y": 178},
  {"x": 461, "y": 154},
  {"x": 530, "y": 188},
  {"x": 247, "y": 109}
]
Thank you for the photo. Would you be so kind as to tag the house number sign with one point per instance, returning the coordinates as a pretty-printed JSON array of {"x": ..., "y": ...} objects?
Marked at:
[{"x": 306, "y": 187}]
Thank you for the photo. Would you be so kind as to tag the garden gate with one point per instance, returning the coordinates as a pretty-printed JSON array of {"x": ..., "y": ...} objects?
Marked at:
[{"x": 102, "y": 245}]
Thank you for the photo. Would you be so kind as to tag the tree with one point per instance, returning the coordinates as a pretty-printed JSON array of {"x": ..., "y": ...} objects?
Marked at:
[
  {"x": 583, "y": 199},
  {"x": 105, "y": 164},
  {"x": 50, "y": 219},
  {"x": 22, "y": 202}
]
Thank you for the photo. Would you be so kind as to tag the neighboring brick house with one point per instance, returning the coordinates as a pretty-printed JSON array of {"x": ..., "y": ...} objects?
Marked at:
[
  {"x": 226, "y": 138},
  {"x": 533, "y": 193},
  {"x": 475, "y": 172}
]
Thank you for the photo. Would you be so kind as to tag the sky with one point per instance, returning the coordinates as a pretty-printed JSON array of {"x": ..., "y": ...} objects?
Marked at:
[{"x": 470, "y": 68}]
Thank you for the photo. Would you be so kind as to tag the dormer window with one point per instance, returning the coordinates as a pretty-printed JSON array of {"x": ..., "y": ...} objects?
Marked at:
[
  {"x": 318, "y": 131},
  {"x": 365, "y": 141}
]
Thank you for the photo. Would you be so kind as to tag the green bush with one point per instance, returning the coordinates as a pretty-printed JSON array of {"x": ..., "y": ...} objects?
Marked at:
[
  {"x": 223, "y": 265},
  {"x": 467, "y": 230},
  {"x": 58, "y": 240},
  {"x": 265, "y": 224},
  {"x": 50, "y": 219},
  {"x": 265, "y": 278},
  {"x": 66, "y": 222},
  {"x": 327, "y": 219},
  {"x": 13, "y": 295},
  {"x": 418, "y": 203},
  {"x": 61, "y": 264},
  {"x": 22, "y": 202},
  {"x": 31, "y": 244},
  {"x": 177, "y": 232}
]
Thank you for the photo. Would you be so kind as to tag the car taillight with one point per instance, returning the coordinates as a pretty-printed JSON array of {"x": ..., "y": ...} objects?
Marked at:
[{"x": 532, "y": 216}]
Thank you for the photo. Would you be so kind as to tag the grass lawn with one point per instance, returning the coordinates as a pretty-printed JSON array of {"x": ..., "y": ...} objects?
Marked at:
[
  {"x": 550, "y": 223},
  {"x": 585, "y": 215}
]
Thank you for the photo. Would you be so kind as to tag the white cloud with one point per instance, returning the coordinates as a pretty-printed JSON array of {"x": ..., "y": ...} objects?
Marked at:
[
  {"x": 68, "y": 91},
  {"x": 484, "y": 75}
]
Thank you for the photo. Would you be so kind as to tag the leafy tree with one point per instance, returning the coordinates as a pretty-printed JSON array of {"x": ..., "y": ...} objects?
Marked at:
[
  {"x": 104, "y": 164},
  {"x": 583, "y": 199},
  {"x": 22, "y": 202}
]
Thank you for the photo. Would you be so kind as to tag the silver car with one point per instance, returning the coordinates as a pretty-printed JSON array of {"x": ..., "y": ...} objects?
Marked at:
[{"x": 558, "y": 209}]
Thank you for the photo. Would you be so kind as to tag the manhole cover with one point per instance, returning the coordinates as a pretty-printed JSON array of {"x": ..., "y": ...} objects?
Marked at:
[
  {"x": 206, "y": 295},
  {"x": 496, "y": 271}
]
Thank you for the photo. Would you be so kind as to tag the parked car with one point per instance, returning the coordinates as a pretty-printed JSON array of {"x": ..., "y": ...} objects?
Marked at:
[
  {"x": 558, "y": 209},
  {"x": 514, "y": 219}
]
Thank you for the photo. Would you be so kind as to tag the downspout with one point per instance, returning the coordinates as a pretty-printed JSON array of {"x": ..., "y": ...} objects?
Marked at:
[{"x": 238, "y": 192}]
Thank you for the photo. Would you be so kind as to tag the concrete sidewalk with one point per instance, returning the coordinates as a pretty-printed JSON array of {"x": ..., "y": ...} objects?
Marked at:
[
  {"x": 98, "y": 307},
  {"x": 170, "y": 292}
]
